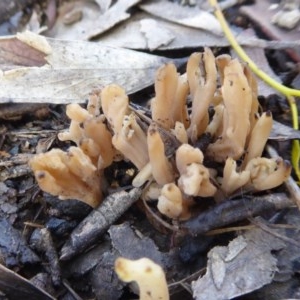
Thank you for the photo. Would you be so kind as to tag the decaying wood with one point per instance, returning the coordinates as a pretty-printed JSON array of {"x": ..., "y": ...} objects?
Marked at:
[{"x": 232, "y": 211}]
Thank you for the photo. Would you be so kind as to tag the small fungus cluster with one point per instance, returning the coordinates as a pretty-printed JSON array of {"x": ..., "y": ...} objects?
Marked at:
[
  {"x": 77, "y": 173},
  {"x": 216, "y": 99}
]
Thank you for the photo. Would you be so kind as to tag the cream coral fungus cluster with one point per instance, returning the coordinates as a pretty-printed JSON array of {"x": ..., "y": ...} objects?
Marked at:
[
  {"x": 77, "y": 173},
  {"x": 69, "y": 175},
  {"x": 216, "y": 98}
]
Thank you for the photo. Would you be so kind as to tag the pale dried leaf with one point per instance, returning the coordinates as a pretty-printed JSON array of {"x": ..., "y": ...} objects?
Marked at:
[
  {"x": 245, "y": 265},
  {"x": 259, "y": 57},
  {"x": 218, "y": 268},
  {"x": 114, "y": 15},
  {"x": 156, "y": 34},
  {"x": 261, "y": 14},
  {"x": 184, "y": 15},
  {"x": 128, "y": 35},
  {"x": 235, "y": 247},
  {"x": 75, "y": 68},
  {"x": 75, "y": 30},
  {"x": 104, "y": 4},
  {"x": 281, "y": 132},
  {"x": 94, "y": 19}
]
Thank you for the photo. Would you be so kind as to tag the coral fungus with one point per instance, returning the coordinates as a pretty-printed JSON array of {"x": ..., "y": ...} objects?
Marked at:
[
  {"x": 164, "y": 149},
  {"x": 149, "y": 276},
  {"x": 69, "y": 175}
]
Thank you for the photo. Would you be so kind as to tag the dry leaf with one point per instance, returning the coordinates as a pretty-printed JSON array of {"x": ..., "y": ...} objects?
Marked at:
[
  {"x": 261, "y": 14},
  {"x": 75, "y": 30},
  {"x": 245, "y": 265},
  {"x": 13, "y": 52},
  {"x": 184, "y": 15},
  {"x": 114, "y": 15},
  {"x": 104, "y": 4},
  {"x": 93, "y": 21},
  {"x": 259, "y": 57},
  {"x": 74, "y": 69},
  {"x": 281, "y": 132},
  {"x": 156, "y": 34},
  {"x": 128, "y": 35}
]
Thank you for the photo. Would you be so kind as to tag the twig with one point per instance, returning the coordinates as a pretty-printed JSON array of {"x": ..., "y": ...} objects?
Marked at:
[
  {"x": 274, "y": 45},
  {"x": 98, "y": 221},
  {"x": 188, "y": 278},
  {"x": 71, "y": 291},
  {"x": 232, "y": 211},
  {"x": 246, "y": 227}
]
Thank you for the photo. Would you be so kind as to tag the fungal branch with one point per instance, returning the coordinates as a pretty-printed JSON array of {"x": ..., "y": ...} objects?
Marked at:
[
  {"x": 288, "y": 92},
  {"x": 149, "y": 276}
]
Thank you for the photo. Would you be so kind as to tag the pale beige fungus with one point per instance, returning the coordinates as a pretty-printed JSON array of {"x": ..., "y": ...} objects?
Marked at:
[{"x": 149, "y": 276}]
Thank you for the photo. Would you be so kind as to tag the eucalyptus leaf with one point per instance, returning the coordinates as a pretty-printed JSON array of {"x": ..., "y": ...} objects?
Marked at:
[
  {"x": 189, "y": 16},
  {"x": 129, "y": 35},
  {"x": 245, "y": 265},
  {"x": 75, "y": 68}
]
